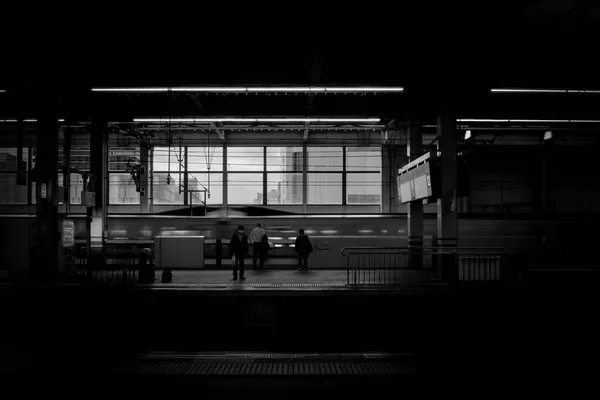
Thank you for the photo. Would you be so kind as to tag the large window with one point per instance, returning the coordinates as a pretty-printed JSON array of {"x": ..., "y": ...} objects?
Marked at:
[
  {"x": 324, "y": 188},
  {"x": 166, "y": 191},
  {"x": 363, "y": 188},
  {"x": 284, "y": 188},
  {"x": 245, "y": 158},
  {"x": 214, "y": 188},
  {"x": 366, "y": 159},
  {"x": 202, "y": 159},
  {"x": 165, "y": 156},
  {"x": 10, "y": 192},
  {"x": 80, "y": 159},
  {"x": 167, "y": 162},
  {"x": 323, "y": 185},
  {"x": 284, "y": 159},
  {"x": 322, "y": 159},
  {"x": 363, "y": 177},
  {"x": 122, "y": 190},
  {"x": 244, "y": 188}
]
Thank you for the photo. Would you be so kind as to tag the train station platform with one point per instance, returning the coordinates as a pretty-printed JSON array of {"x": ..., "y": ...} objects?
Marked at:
[{"x": 215, "y": 281}]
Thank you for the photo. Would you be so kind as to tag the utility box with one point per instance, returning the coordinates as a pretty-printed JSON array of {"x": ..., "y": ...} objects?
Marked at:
[{"x": 185, "y": 252}]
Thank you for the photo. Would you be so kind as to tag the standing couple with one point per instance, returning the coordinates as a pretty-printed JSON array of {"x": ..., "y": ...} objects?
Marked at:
[{"x": 239, "y": 248}]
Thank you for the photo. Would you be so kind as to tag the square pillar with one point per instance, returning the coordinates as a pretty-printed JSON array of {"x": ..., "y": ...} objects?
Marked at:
[
  {"x": 447, "y": 222},
  {"x": 46, "y": 245},
  {"x": 97, "y": 216},
  {"x": 144, "y": 169}
]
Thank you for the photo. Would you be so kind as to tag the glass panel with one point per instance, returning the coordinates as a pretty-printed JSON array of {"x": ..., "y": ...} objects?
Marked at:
[
  {"x": 10, "y": 192},
  {"x": 363, "y": 188},
  {"x": 363, "y": 159},
  {"x": 119, "y": 157},
  {"x": 122, "y": 190},
  {"x": 325, "y": 158},
  {"x": 284, "y": 159},
  {"x": 8, "y": 159},
  {"x": 166, "y": 192},
  {"x": 80, "y": 157},
  {"x": 245, "y": 188},
  {"x": 284, "y": 188},
  {"x": 162, "y": 157},
  {"x": 200, "y": 158},
  {"x": 245, "y": 159},
  {"x": 324, "y": 188},
  {"x": 200, "y": 181}
]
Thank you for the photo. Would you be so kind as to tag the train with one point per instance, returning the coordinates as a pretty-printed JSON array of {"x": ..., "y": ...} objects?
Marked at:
[{"x": 328, "y": 233}]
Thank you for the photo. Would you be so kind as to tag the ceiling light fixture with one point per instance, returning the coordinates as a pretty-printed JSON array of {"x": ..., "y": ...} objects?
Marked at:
[
  {"x": 569, "y": 91},
  {"x": 25, "y": 120},
  {"x": 244, "y": 89},
  {"x": 561, "y": 121},
  {"x": 208, "y": 120}
]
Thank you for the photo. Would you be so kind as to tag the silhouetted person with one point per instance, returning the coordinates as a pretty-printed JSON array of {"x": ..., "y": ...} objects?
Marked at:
[
  {"x": 238, "y": 246},
  {"x": 303, "y": 247},
  {"x": 257, "y": 237},
  {"x": 146, "y": 264}
]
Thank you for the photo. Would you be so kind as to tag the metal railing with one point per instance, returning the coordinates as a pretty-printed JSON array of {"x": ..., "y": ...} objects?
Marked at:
[
  {"x": 402, "y": 266},
  {"x": 111, "y": 269}
]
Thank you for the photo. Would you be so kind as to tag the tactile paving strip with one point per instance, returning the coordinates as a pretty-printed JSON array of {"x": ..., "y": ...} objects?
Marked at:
[{"x": 273, "y": 368}]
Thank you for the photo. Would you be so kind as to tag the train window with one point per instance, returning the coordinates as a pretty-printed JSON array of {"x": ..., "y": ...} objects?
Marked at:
[
  {"x": 324, "y": 188},
  {"x": 244, "y": 188},
  {"x": 214, "y": 195},
  {"x": 284, "y": 188},
  {"x": 363, "y": 188},
  {"x": 202, "y": 159},
  {"x": 363, "y": 159},
  {"x": 245, "y": 159},
  {"x": 288, "y": 159},
  {"x": 325, "y": 159}
]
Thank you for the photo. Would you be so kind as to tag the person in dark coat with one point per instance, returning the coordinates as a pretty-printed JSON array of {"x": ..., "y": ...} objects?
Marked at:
[
  {"x": 238, "y": 247},
  {"x": 303, "y": 247}
]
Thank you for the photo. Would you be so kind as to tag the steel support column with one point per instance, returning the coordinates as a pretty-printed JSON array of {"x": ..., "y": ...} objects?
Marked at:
[
  {"x": 447, "y": 224},
  {"x": 46, "y": 246},
  {"x": 98, "y": 215},
  {"x": 414, "y": 150},
  {"x": 144, "y": 167}
]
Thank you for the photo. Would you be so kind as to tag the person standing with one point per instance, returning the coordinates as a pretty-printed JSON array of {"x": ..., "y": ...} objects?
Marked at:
[
  {"x": 238, "y": 247},
  {"x": 258, "y": 247},
  {"x": 303, "y": 247}
]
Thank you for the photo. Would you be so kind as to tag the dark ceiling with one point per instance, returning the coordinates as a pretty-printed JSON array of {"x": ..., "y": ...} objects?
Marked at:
[{"x": 449, "y": 54}]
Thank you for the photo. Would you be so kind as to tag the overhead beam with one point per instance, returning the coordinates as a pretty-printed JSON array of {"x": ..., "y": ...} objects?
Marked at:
[
  {"x": 219, "y": 132},
  {"x": 306, "y": 129}
]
